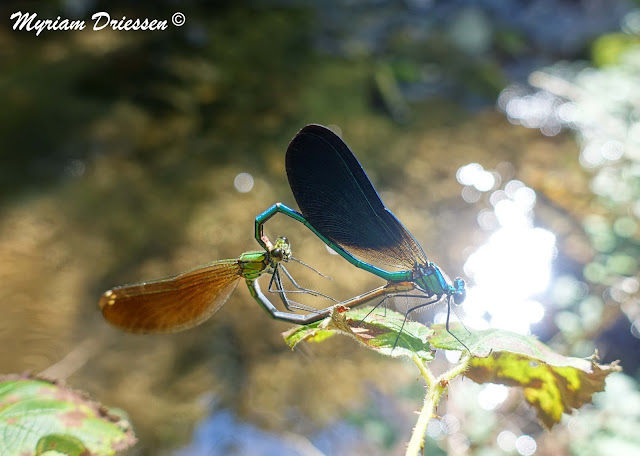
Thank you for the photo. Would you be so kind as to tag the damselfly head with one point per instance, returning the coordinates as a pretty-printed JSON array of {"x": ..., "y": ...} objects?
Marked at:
[
  {"x": 459, "y": 293},
  {"x": 281, "y": 250}
]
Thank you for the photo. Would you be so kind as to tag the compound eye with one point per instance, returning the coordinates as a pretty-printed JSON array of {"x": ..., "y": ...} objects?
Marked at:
[
  {"x": 277, "y": 254},
  {"x": 460, "y": 293},
  {"x": 284, "y": 239}
]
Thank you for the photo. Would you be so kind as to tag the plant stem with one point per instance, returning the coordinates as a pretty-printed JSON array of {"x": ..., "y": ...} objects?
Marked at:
[{"x": 435, "y": 388}]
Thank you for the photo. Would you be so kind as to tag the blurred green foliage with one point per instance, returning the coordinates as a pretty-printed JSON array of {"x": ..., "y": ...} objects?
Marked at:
[
  {"x": 609, "y": 49},
  {"x": 600, "y": 104}
]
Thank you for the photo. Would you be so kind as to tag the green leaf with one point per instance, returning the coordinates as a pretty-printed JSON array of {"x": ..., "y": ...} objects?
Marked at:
[
  {"x": 40, "y": 417},
  {"x": 479, "y": 345},
  {"x": 63, "y": 444},
  {"x": 374, "y": 330},
  {"x": 553, "y": 384}
]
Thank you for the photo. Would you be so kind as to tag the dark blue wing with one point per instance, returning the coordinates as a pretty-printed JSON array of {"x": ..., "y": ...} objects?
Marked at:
[{"x": 337, "y": 198}]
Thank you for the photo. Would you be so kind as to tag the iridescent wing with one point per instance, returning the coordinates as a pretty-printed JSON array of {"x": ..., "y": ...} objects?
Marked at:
[
  {"x": 173, "y": 303},
  {"x": 336, "y": 196}
]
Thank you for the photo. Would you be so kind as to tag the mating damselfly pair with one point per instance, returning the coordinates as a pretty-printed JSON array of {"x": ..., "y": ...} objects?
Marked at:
[{"x": 340, "y": 206}]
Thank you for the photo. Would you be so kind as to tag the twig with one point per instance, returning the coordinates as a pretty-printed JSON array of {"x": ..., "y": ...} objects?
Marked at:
[{"x": 435, "y": 388}]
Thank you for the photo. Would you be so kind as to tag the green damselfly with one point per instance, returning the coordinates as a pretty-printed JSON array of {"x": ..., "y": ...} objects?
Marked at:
[{"x": 185, "y": 300}]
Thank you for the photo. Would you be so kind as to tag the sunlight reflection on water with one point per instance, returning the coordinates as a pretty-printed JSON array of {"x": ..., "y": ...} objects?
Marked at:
[
  {"x": 514, "y": 265},
  {"x": 243, "y": 182}
]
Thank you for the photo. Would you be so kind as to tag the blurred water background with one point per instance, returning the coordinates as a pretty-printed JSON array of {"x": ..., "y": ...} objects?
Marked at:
[{"x": 504, "y": 135}]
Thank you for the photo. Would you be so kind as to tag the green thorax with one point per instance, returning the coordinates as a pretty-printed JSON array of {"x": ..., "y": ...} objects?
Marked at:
[
  {"x": 254, "y": 264},
  {"x": 430, "y": 278}
]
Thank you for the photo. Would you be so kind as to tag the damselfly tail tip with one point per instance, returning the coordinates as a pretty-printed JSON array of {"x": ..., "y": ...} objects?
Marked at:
[{"x": 107, "y": 299}]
